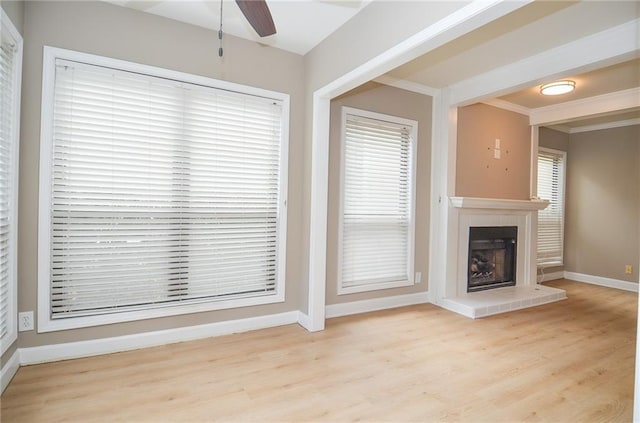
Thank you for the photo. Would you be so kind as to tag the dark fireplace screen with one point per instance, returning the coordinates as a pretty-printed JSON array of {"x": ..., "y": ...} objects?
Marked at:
[{"x": 492, "y": 257}]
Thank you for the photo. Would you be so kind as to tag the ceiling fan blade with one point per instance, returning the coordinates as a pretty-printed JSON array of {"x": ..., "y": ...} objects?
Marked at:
[{"x": 258, "y": 14}]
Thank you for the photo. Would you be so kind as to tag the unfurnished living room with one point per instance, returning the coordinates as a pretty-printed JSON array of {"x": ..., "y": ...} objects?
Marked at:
[{"x": 319, "y": 210}]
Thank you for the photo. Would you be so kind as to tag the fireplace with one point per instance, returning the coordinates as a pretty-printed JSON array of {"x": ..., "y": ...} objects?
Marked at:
[{"x": 492, "y": 257}]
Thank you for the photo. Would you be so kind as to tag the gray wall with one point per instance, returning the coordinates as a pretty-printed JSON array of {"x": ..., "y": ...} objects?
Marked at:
[
  {"x": 601, "y": 221},
  {"x": 392, "y": 101},
  {"x": 15, "y": 12},
  {"x": 117, "y": 32}
]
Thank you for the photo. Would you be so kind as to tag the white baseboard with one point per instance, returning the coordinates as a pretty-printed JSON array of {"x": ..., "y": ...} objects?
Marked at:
[
  {"x": 550, "y": 276},
  {"x": 304, "y": 320},
  {"x": 9, "y": 370},
  {"x": 364, "y": 306},
  {"x": 56, "y": 352},
  {"x": 602, "y": 281}
]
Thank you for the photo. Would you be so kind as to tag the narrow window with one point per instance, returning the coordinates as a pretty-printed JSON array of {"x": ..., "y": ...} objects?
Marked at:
[
  {"x": 377, "y": 201},
  {"x": 551, "y": 183}
]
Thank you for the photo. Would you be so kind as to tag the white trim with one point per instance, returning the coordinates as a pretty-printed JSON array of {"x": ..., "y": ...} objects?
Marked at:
[
  {"x": 304, "y": 321},
  {"x": 45, "y": 322},
  {"x": 56, "y": 352},
  {"x": 9, "y": 370},
  {"x": 546, "y": 277},
  {"x": 403, "y": 84},
  {"x": 469, "y": 17},
  {"x": 494, "y": 203},
  {"x": 560, "y": 128},
  {"x": 586, "y": 107},
  {"x": 365, "y": 306},
  {"x": 602, "y": 281},
  {"x": 506, "y": 105},
  {"x": 608, "y": 47},
  {"x": 608, "y": 125},
  {"x": 318, "y": 210},
  {"x": 8, "y": 28}
]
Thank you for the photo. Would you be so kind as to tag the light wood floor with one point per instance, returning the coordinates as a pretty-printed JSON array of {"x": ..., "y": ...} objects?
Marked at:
[{"x": 571, "y": 361}]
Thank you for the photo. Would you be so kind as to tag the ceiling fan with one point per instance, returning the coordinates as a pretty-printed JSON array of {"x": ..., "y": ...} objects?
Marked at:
[{"x": 258, "y": 14}]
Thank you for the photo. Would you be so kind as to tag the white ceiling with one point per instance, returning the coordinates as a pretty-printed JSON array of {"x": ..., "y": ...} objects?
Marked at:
[{"x": 300, "y": 24}]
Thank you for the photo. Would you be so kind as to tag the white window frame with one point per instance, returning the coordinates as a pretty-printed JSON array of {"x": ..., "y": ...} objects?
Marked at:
[
  {"x": 411, "y": 247},
  {"x": 9, "y": 30},
  {"x": 45, "y": 322},
  {"x": 563, "y": 154}
]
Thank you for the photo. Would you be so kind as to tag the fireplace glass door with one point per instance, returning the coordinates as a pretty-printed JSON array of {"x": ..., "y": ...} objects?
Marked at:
[{"x": 492, "y": 257}]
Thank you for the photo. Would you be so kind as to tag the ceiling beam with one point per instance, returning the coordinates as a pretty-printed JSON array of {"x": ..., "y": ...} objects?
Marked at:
[
  {"x": 605, "y": 48},
  {"x": 586, "y": 107}
]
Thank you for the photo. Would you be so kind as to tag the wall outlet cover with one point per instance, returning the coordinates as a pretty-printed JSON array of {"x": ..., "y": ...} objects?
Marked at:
[{"x": 25, "y": 321}]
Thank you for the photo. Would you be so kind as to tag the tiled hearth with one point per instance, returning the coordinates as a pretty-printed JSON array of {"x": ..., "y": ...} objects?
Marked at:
[{"x": 476, "y": 212}]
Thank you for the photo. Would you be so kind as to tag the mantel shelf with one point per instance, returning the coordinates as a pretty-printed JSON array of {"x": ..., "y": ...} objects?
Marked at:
[{"x": 496, "y": 203}]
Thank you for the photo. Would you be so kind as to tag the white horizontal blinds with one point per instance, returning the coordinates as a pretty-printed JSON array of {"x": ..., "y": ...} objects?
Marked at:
[
  {"x": 163, "y": 192},
  {"x": 551, "y": 219},
  {"x": 7, "y": 181},
  {"x": 376, "y": 202}
]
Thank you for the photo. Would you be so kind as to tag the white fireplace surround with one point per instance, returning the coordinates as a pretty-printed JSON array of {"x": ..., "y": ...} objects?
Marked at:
[{"x": 466, "y": 212}]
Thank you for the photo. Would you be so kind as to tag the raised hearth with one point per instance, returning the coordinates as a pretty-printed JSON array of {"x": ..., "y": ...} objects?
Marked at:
[{"x": 519, "y": 216}]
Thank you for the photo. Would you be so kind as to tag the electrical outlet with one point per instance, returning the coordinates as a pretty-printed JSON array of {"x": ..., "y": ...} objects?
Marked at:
[
  {"x": 418, "y": 277},
  {"x": 25, "y": 321},
  {"x": 628, "y": 269}
]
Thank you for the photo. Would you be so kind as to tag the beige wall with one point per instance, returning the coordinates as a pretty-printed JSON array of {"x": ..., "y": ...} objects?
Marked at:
[
  {"x": 556, "y": 140},
  {"x": 108, "y": 30},
  {"x": 601, "y": 222},
  {"x": 392, "y": 101},
  {"x": 478, "y": 174},
  {"x": 15, "y": 12}
]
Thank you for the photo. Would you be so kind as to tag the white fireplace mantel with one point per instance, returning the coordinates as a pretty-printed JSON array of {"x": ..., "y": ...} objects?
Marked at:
[
  {"x": 468, "y": 212},
  {"x": 496, "y": 203}
]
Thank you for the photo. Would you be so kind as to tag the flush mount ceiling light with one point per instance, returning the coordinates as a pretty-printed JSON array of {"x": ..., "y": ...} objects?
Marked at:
[{"x": 558, "y": 87}]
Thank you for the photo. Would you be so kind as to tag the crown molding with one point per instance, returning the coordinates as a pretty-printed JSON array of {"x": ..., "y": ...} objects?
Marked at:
[
  {"x": 506, "y": 105},
  {"x": 407, "y": 85},
  {"x": 560, "y": 128}
]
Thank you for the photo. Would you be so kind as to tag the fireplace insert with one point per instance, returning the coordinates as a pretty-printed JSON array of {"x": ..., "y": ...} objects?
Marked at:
[{"x": 492, "y": 257}]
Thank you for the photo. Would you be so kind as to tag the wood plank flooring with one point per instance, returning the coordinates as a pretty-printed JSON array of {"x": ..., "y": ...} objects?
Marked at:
[{"x": 571, "y": 361}]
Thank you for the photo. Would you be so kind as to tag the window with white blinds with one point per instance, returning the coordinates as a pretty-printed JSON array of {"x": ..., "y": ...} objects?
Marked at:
[
  {"x": 377, "y": 201},
  {"x": 10, "y": 77},
  {"x": 163, "y": 193},
  {"x": 551, "y": 183}
]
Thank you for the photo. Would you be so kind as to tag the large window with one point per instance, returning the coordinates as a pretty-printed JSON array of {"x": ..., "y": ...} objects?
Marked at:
[
  {"x": 551, "y": 182},
  {"x": 10, "y": 77},
  {"x": 162, "y": 193},
  {"x": 377, "y": 201}
]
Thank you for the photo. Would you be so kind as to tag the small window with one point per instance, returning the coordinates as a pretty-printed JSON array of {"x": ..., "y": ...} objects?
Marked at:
[
  {"x": 166, "y": 193},
  {"x": 377, "y": 201},
  {"x": 551, "y": 183},
  {"x": 10, "y": 77}
]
